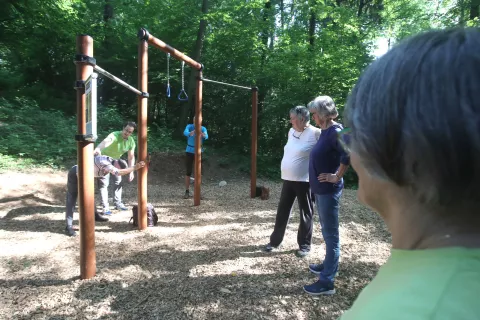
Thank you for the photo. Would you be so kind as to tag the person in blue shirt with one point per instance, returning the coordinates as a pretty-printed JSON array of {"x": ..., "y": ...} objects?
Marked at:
[
  {"x": 189, "y": 132},
  {"x": 328, "y": 163}
]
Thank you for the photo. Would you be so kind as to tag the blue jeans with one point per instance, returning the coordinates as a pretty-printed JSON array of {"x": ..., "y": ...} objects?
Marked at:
[
  {"x": 103, "y": 183},
  {"x": 327, "y": 207}
]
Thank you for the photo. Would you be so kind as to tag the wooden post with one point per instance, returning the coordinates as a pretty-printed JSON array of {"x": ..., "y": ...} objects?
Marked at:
[
  {"x": 142, "y": 133},
  {"x": 85, "y": 168},
  {"x": 253, "y": 164},
  {"x": 198, "y": 141}
]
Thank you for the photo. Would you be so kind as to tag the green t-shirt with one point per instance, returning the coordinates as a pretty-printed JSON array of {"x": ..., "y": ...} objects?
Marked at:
[
  {"x": 118, "y": 146},
  {"x": 432, "y": 284}
]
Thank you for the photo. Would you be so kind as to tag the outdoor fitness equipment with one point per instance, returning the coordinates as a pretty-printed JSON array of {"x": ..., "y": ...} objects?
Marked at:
[
  {"x": 184, "y": 97},
  {"x": 85, "y": 65},
  {"x": 168, "y": 75}
]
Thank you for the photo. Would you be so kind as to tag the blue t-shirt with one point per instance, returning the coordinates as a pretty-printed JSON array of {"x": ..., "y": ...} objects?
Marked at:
[
  {"x": 326, "y": 157},
  {"x": 191, "y": 139}
]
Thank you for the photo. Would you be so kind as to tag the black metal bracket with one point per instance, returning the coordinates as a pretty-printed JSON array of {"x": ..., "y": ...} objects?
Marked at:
[
  {"x": 83, "y": 58},
  {"x": 145, "y": 94},
  {"x": 79, "y": 84},
  {"x": 85, "y": 137},
  {"x": 143, "y": 34},
  {"x": 254, "y": 88},
  {"x": 202, "y": 67}
]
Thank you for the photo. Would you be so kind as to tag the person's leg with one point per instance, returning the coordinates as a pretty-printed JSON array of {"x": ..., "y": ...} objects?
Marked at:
[
  {"x": 287, "y": 198},
  {"x": 118, "y": 189},
  {"x": 103, "y": 183},
  {"x": 305, "y": 228},
  {"x": 72, "y": 194},
  {"x": 189, "y": 158},
  {"x": 328, "y": 207}
]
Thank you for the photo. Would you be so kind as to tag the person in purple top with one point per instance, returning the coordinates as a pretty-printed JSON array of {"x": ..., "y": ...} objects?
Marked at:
[{"x": 328, "y": 163}]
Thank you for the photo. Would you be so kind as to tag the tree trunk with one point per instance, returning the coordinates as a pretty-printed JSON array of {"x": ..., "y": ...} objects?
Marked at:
[
  {"x": 262, "y": 93},
  {"x": 188, "y": 108},
  {"x": 106, "y": 92},
  {"x": 282, "y": 14},
  {"x": 360, "y": 8},
  {"x": 312, "y": 24},
  {"x": 474, "y": 9}
]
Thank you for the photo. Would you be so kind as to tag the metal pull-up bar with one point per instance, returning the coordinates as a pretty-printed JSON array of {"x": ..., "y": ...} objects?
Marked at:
[
  {"x": 226, "y": 84},
  {"x": 253, "y": 162},
  {"x": 119, "y": 81}
]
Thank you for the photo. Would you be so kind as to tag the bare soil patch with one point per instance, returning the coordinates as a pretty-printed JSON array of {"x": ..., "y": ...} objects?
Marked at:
[{"x": 200, "y": 262}]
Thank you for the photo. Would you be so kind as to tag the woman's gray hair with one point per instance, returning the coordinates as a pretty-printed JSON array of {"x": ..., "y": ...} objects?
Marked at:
[
  {"x": 324, "y": 107},
  {"x": 302, "y": 114},
  {"x": 415, "y": 118}
]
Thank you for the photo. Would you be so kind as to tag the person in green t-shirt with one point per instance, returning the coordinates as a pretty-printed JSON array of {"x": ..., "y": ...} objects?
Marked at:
[
  {"x": 414, "y": 120},
  {"x": 115, "y": 145}
]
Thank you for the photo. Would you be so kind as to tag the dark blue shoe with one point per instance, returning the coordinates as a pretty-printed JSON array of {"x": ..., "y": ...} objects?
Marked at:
[
  {"x": 315, "y": 268},
  {"x": 320, "y": 288}
]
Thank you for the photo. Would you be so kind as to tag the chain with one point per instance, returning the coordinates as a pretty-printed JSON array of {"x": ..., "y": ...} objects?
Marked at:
[
  {"x": 168, "y": 69},
  {"x": 183, "y": 78}
]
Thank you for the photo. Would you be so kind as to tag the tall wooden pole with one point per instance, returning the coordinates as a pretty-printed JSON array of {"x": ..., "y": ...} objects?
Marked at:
[
  {"x": 198, "y": 140},
  {"x": 85, "y": 168},
  {"x": 253, "y": 164},
  {"x": 142, "y": 132}
]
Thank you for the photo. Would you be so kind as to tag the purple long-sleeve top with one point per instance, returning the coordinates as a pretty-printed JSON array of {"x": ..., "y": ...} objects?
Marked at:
[{"x": 326, "y": 157}]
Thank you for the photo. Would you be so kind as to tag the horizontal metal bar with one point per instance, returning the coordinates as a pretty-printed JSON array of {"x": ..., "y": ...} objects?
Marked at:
[
  {"x": 117, "y": 80},
  {"x": 226, "y": 84}
]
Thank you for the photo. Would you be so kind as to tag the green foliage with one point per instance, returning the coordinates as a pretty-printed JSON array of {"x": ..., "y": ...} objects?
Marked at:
[
  {"x": 26, "y": 131},
  {"x": 30, "y": 136},
  {"x": 292, "y": 50}
]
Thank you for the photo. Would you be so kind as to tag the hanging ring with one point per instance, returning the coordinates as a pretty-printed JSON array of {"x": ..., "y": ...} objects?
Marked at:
[{"x": 184, "y": 97}]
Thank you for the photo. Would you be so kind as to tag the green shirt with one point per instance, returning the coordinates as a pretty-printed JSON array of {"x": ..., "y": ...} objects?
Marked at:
[
  {"x": 118, "y": 146},
  {"x": 432, "y": 284}
]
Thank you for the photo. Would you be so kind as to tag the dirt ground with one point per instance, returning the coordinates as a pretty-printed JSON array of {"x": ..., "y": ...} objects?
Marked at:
[{"x": 200, "y": 262}]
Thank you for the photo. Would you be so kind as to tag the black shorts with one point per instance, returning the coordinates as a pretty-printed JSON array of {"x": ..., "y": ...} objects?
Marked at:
[{"x": 189, "y": 159}]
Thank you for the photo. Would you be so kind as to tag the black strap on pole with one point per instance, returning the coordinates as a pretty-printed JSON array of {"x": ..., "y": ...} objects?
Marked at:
[{"x": 226, "y": 84}]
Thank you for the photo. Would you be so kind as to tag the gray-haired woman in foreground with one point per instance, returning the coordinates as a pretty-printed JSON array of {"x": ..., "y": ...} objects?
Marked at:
[{"x": 415, "y": 144}]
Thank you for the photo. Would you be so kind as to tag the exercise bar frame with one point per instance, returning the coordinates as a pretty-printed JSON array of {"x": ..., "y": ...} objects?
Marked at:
[
  {"x": 145, "y": 36},
  {"x": 85, "y": 65}
]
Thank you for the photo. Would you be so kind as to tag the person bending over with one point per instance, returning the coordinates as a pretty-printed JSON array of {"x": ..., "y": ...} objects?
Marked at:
[{"x": 103, "y": 165}]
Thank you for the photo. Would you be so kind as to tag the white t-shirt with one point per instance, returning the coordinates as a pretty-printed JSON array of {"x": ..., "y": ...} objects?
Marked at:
[{"x": 297, "y": 152}]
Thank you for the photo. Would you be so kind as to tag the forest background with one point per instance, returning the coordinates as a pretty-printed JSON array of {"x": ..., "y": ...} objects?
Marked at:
[{"x": 292, "y": 50}]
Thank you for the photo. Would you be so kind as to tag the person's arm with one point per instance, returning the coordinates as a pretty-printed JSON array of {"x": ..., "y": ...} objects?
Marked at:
[
  {"x": 344, "y": 160},
  {"x": 131, "y": 162},
  {"x": 122, "y": 172},
  {"x": 187, "y": 131},
  {"x": 204, "y": 133},
  {"x": 104, "y": 144}
]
